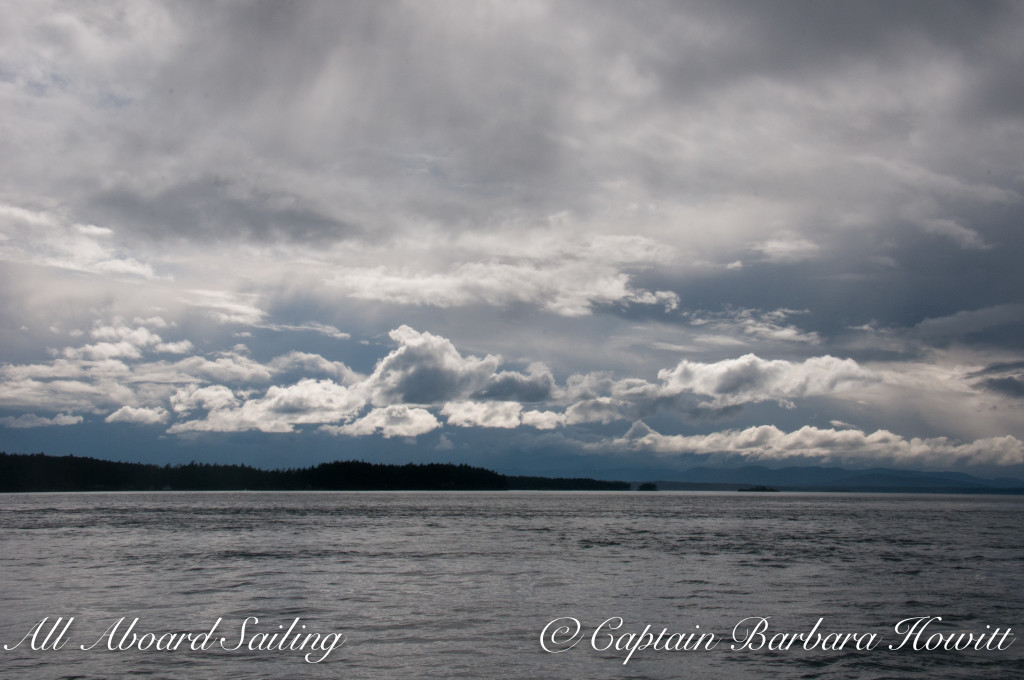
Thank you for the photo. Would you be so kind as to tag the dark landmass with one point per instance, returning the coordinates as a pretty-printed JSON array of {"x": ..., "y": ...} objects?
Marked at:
[
  {"x": 839, "y": 479},
  {"x": 521, "y": 483},
  {"x": 39, "y": 472}
]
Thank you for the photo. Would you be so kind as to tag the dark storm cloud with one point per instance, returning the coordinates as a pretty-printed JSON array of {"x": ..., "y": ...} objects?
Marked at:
[
  {"x": 371, "y": 89},
  {"x": 427, "y": 369},
  {"x": 511, "y": 386},
  {"x": 998, "y": 324},
  {"x": 472, "y": 111},
  {"x": 310, "y": 121},
  {"x": 213, "y": 208},
  {"x": 780, "y": 38},
  {"x": 999, "y": 368},
  {"x": 1011, "y": 387},
  {"x": 1005, "y": 378}
]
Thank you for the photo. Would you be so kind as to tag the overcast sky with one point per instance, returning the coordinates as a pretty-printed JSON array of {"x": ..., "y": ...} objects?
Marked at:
[{"x": 573, "y": 238}]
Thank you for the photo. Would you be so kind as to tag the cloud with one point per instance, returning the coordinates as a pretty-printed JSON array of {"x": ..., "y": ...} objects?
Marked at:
[
  {"x": 314, "y": 326},
  {"x": 999, "y": 367},
  {"x": 425, "y": 373},
  {"x": 752, "y": 379},
  {"x": 543, "y": 420},
  {"x": 742, "y": 326},
  {"x": 32, "y": 420},
  {"x": 827, "y": 446},
  {"x": 390, "y": 421},
  {"x": 178, "y": 347},
  {"x": 227, "y": 367},
  {"x": 536, "y": 385},
  {"x": 60, "y": 394},
  {"x": 787, "y": 248},
  {"x": 314, "y": 363},
  {"x": 703, "y": 390},
  {"x": 141, "y": 416},
  {"x": 213, "y": 397},
  {"x": 600, "y": 410},
  {"x": 1011, "y": 386},
  {"x": 961, "y": 325},
  {"x": 311, "y": 401},
  {"x": 58, "y": 368},
  {"x": 280, "y": 409},
  {"x": 139, "y": 336},
  {"x": 119, "y": 340},
  {"x": 968, "y": 239},
  {"x": 500, "y": 414},
  {"x": 568, "y": 288},
  {"x": 427, "y": 369},
  {"x": 48, "y": 239},
  {"x": 226, "y": 306},
  {"x": 1003, "y": 378},
  {"x": 104, "y": 350}
]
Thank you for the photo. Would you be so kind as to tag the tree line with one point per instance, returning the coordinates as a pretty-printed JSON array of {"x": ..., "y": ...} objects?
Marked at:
[{"x": 40, "y": 472}]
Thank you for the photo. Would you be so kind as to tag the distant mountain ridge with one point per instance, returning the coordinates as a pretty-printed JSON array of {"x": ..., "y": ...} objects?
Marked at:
[{"x": 840, "y": 479}]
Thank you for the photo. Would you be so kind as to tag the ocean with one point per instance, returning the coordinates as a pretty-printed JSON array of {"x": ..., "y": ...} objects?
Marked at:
[{"x": 233, "y": 585}]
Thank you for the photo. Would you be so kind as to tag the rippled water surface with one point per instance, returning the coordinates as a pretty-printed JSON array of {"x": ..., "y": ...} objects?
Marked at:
[{"x": 443, "y": 585}]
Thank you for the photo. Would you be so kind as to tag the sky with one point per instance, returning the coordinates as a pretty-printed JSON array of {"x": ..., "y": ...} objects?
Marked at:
[{"x": 572, "y": 238}]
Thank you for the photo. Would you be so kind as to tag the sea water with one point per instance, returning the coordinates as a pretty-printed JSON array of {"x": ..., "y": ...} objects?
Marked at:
[{"x": 514, "y": 585}]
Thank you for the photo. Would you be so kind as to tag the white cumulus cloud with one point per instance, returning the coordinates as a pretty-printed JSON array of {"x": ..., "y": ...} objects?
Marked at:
[
  {"x": 391, "y": 421},
  {"x": 32, "y": 420},
  {"x": 752, "y": 379},
  {"x": 502, "y": 414},
  {"x": 828, "y": 446},
  {"x": 140, "y": 415}
]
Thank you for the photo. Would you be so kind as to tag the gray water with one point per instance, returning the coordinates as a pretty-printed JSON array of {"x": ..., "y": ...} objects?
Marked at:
[{"x": 461, "y": 585}]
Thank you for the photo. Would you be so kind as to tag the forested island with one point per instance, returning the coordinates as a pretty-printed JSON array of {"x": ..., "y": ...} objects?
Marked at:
[{"x": 40, "y": 472}]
